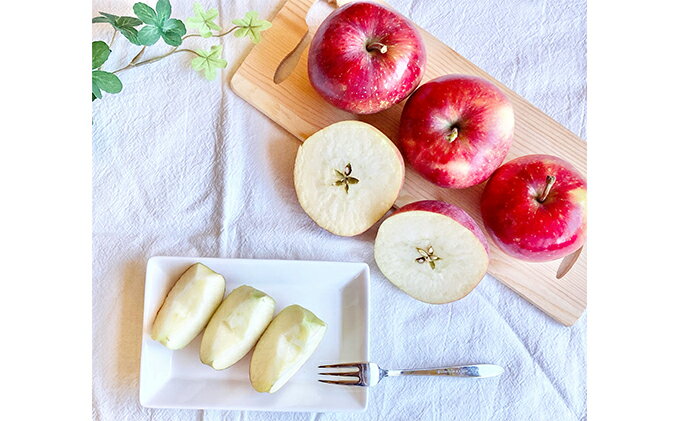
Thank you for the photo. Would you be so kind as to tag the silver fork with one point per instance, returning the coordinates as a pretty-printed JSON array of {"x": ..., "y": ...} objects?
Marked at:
[{"x": 370, "y": 374}]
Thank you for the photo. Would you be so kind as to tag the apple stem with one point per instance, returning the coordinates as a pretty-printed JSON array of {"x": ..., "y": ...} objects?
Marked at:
[
  {"x": 377, "y": 46},
  {"x": 453, "y": 135},
  {"x": 549, "y": 182}
]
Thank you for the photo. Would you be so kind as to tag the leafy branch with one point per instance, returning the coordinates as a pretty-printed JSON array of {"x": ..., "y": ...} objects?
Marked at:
[{"x": 156, "y": 24}]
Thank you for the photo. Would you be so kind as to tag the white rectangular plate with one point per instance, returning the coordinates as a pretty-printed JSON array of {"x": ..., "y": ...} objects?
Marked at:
[{"x": 338, "y": 293}]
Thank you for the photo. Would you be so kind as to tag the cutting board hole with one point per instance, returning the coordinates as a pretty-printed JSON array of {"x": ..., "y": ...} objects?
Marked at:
[
  {"x": 567, "y": 263},
  {"x": 315, "y": 15}
]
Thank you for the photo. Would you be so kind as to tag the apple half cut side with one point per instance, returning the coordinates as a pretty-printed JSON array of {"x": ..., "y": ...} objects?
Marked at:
[
  {"x": 188, "y": 307},
  {"x": 433, "y": 251},
  {"x": 290, "y": 339},
  {"x": 347, "y": 176},
  {"x": 236, "y": 326}
]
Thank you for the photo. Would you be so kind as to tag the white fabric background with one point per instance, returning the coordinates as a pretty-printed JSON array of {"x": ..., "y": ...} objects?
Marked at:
[{"x": 183, "y": 166}]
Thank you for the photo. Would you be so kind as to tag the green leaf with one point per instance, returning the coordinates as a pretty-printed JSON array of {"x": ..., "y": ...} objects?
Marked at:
[
  {"x": 241, "y": 32},
  {"x": 123, "y": 24},
  {"x": 158, "y": 24},
  {"x": 100, "y": 53},
  {"x": 172, "y": 32},
  {"x": 209, "y": 61},
  {"x": 130, "y": 34},
  {"x": 148, "y": 35},
  {"x": 107, "y": 82},
  {"x": 127, "y": 22},
  {"x": 96, "y": 92},
  {"x": 174, "y": 25},
  {"x": 172, "y": 38},
  {"x": 145, "y": 13},
  {"x": 252, "y": 26},
  {"x": 109, "y": 16},
  {"x": 203, "y": 21},
  {"x": 163, "y": 10}
]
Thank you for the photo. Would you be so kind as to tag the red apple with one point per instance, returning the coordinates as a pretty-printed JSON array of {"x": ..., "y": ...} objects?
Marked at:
[
  {"x": 534, "y": 208},
  {"x": 364, "y": 58},
  {"x": 456, "y": 130},
  {"x": 432, "y": 250}
]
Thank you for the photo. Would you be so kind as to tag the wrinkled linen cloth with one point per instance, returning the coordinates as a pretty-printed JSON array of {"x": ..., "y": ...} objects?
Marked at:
[{"x": 182, "y": 166}]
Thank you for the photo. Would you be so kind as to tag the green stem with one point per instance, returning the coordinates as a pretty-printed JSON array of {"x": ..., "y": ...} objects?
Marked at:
[
  {"x": 133, "y": 62},
  {"x": 138, "y": 56},
  {"x": 214, "y": 36},
  {"x": 155, "y": 59},
  {"x": 113, "y": 37}
]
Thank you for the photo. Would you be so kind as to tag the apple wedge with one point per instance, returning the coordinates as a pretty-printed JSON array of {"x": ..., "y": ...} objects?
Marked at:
[
  {"x": 188, "y": 307},
  {"x": 432, "y": 250},
  {"x": 347, "y": 176},
  {"x": 284, "y": 347},
  {"x": 236, "y": 326}
]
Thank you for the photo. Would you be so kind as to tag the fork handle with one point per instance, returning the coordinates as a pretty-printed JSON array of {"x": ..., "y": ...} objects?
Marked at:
[{"x": 475, "y": 370}]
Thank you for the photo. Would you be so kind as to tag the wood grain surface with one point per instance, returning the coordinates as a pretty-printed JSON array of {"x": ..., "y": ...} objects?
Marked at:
[{"x": 295, "y": 105}]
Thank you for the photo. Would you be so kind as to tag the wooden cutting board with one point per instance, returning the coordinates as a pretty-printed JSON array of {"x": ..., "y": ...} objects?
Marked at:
[{"x": 295, "y": 105}]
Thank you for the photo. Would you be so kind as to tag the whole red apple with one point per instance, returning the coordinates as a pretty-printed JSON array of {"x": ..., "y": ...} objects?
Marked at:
[
  {"x": 534, "y": 208},
  {"x": 456, "y": 130},
  {"x": 364, "y": 58}
]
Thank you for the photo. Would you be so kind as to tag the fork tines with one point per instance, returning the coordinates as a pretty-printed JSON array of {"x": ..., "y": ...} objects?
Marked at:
[{"x": 354, "y": 374}]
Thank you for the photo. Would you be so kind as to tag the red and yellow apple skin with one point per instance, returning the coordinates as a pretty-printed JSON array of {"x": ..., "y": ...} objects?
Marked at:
[
  {"x": 364, "y": 58},
  {"x": 456, "y": 130},
  {"x": 526, "y": 225},
  {"x": 452, "y": 211}
]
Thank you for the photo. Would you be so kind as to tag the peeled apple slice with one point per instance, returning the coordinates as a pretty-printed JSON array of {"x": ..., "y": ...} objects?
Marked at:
[
  {"x": 284, "y": 347},
  {"x": 347, "y": 176},
  {"x": 188, "y": 307},
  {"x": 236, "y": 326},
  {"x": 432, "y": 250}
]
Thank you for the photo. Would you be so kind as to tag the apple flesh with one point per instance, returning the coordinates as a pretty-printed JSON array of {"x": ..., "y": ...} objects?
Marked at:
[
  {"x": 456, "y": 130},
  {"x": 236, "y": 326},
  {"x": 347, "y": 176},
  {"x": 534, "y": 208},
  {"x": 188, "y": 307},
  {"x": 432, "y": 250},
  {"x": 365, "y": 57},
  {"x": 289, "y": 341}
]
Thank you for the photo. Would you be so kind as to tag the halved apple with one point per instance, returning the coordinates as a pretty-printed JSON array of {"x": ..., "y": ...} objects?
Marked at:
[
  {"x": 188, "y": 306},
  {"x": 284, "y": 347},
  {"x": 432, "y": 250},
  {"x": 347, "y": 176},
  {"x": 236, "y": 326}
]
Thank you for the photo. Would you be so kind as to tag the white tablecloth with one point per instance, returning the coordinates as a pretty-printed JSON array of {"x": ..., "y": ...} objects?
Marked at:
[{"x": 183, "y": 166}]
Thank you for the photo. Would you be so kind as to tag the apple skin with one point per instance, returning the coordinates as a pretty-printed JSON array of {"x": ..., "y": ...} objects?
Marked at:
[
  {"x": 481, "y": 115},
  {"x": 452, "y": 211},
  {"x": 349, "y": 76},
  {"x": 522, "y": 226}
]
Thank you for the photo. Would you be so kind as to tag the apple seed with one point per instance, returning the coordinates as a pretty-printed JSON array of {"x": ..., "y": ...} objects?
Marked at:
[
  {"x": 345, "y": 180},
  {"x": 427, "y": 256}
]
